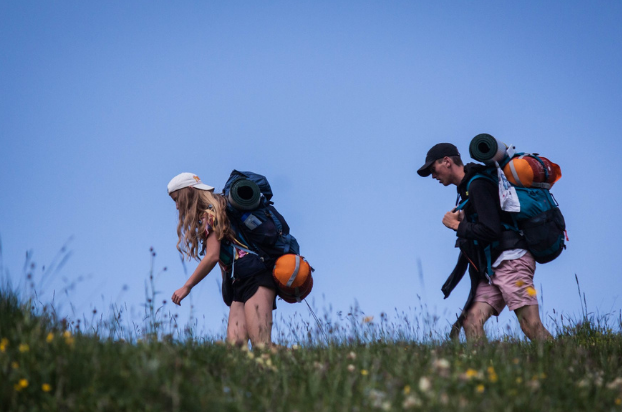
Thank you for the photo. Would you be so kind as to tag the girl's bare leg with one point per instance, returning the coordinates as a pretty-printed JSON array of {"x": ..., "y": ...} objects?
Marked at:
[
  {"x": 236, "y": 326},
  {"x": 258, "y": 314}
]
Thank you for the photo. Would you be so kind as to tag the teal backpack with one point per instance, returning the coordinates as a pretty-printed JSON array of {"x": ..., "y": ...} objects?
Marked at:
[{"x": 540, "y": 221}]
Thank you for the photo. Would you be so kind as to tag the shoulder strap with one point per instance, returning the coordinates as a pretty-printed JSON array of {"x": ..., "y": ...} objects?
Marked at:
[{"x": 461, "y": 205}]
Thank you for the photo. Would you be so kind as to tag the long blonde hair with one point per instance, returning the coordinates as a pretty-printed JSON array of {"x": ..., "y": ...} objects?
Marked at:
[{"x": 195, "y": 206}]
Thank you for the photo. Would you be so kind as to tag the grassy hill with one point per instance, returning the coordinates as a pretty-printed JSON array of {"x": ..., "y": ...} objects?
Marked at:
[{"x": 48, "y": 365}]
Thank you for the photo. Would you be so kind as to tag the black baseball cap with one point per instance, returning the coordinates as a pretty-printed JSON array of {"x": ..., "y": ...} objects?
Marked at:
[{"x": 438, "y": 151}]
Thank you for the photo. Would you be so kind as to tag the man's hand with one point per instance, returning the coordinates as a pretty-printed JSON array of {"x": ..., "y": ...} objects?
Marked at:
[{"x": 452, "y": 219}]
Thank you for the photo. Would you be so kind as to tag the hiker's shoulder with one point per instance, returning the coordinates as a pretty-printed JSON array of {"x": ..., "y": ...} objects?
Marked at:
[{"x": 478, "y": 175}]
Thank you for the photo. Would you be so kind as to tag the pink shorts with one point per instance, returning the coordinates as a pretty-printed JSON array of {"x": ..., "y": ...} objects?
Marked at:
[{"x": 512, "y": 285}]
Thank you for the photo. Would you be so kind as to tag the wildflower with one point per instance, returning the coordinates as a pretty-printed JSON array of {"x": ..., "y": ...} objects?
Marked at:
[
  {"x": 469, "y": 374},
  {"x": 531, "y": 291},
  {"x": 492, "y": 375},
  {"x": 260, "y": 346},
  {"x": 14, "y": 365},
  {"x": 618, "y": 401},
  {"x": 68, "y": 337},
  {"x": 23, "y": 347},
  {"x": 480, "y": 388},
  {"x": 250, "y": 355},
  {"x": 295, "y": 347},
  {"x": 321, "y": 367},
  {"x": 534, "y": 385},
  {"x": 351, "y": 368},
  {"x": 519, "y": 380},
  {"x": 440, "y": 364},
  {"x": 615, "y": 384},
  {"x": 3, "y": 344},
  {"x": 368, "y": 319},
  {"x": 406, "y": 389},
  {"x": 378, "y": 399},
  {"x": 411, "y": 401},
  {"x": 364, "y": 372},
  {"x": 519, "y": 283},
  {"x": 259, "y": 360},
  {"x": 23, "y": 383},
  {"x": 50, "y": 337},
  {"x": 515, "y": 360},
  {"x": 424, "y": 384},
  {"x": 351, "y": 356},
  {"x": 46, "y": 387}
]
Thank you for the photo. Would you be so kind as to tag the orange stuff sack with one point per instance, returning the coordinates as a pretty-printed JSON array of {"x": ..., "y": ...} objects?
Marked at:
[
  {"x": 292, "y": 274},
  {"x": 529, "y": 170}
]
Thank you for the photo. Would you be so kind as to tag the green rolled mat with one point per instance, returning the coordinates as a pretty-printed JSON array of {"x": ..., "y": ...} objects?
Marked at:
[
  {"x": 485, "y": 148},
  {"x": 244, "y": 195}
]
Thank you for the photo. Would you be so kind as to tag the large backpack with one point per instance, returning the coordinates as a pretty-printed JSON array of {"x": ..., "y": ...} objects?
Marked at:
[
  {"x": 539, "y": 220},
  {"x": 262, "y": 228}
]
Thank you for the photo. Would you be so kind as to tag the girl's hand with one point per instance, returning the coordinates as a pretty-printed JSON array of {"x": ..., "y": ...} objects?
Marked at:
[{"x": 180, "y": 294}]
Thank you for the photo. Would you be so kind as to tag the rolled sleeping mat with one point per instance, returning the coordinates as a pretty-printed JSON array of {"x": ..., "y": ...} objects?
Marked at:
[
  {"x": 485, "y": 148},
  {"x": 244, "y": 195}
]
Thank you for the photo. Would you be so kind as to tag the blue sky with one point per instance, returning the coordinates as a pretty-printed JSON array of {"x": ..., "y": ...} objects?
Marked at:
[{"x": 335, "y": 102}]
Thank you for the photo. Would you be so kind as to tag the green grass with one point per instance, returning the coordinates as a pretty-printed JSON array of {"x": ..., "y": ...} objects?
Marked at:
[{"x": 50, "y": 365}]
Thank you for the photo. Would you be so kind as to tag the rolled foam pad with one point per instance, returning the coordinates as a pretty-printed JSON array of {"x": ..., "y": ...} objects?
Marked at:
[
  {"x": 485, "y": 148},
  {"x": 244, "y": 195}
]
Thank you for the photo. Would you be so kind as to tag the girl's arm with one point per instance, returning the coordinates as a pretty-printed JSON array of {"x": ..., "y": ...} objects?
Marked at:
[{"x": 212, "y": 252}]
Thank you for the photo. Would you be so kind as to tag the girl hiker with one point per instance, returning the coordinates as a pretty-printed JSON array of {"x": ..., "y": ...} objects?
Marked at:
[{"x": 204, "y": 230}]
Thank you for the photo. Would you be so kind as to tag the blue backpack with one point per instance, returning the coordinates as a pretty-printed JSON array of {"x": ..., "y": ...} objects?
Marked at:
[
  {"x": 261, "y": 227},
  {"x": 539, "y": 221}
]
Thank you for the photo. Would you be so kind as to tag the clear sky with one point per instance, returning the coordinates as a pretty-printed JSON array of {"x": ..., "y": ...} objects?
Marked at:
[{"x": 337, "y": 103}]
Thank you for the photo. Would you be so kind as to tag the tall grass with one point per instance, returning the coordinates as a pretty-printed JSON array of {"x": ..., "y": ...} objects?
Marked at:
[{"x": 341, "y": 362}]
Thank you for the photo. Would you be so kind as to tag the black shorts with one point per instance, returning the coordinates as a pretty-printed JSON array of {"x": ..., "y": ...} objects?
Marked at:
[{"x": 245, "y": 288}]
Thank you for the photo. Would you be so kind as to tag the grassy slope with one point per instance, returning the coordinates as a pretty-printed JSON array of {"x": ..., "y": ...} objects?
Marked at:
[{"x": 44, "y": 367}]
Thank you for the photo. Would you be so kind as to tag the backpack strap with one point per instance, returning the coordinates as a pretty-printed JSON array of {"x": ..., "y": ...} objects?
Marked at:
[
  {"x": 488, "y": 249},
  {"x": 461, "y": 205}
]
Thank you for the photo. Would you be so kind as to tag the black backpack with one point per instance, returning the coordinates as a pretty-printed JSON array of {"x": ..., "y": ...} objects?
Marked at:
[{"x": 254, "y": 218}]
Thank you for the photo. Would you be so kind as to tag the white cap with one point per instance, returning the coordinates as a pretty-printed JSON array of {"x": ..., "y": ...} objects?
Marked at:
[{"x": 186, "y": 180}]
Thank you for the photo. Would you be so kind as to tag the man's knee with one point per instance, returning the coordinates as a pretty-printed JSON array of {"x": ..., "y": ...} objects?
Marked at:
[
  {"x": 530, "y": 323},
  {"x": 478, "y": 315},
  {"x": 474, "y": 321}
]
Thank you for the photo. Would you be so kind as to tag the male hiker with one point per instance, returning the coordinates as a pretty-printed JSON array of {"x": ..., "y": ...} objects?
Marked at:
[{"x": 478, "y": 225}]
